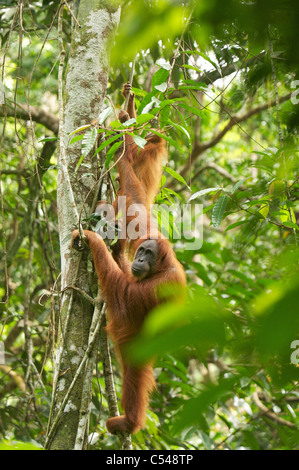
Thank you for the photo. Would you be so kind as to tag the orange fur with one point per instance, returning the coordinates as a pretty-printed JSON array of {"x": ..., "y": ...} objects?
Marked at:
[{"x": 129, "y": 300}]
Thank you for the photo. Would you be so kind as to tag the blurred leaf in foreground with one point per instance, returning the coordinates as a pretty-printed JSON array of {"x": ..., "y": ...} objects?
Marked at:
[
  {"x": 276, "y": 326},
  {"x": 198, "y": 323}
]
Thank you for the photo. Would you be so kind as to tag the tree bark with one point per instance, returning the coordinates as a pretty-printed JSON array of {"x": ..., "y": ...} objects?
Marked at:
[{"x": 86, "y": 79}]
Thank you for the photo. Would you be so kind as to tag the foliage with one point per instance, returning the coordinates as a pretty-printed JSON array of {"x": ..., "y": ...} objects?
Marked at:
[{"x": 222, "y": 88}]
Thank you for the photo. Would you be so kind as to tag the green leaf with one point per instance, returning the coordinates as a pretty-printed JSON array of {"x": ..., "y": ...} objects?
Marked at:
[
  {"x": 172, "y": 326},
  {"x": 236, "y": 224},
  {"x": 143, "y": 118},
  {"x": 191, "y": 85},
  {"x": 88, "y": 141},
  {"x": 171, "y": 102},
  {"x": 284, "y": 217},
  {"x": 48, "y": 139},
  {"x": 218, "y": 210},
  {"x": 191, "y": 109},
  {"x": 291, "y": 225},
  {"x": 106, "y": 143},
  {"x": 140, "y": 141},
  {"x": 160, "y": 77},
  {"x": 111, "y": 152},
  {"x": 276, "y": 325},
  {"x": 81, "y": 128},
  {"x": 168, "y": 139},
  {"x": 129, "y": 122},
  {"x": 180, "y": 128},
  {"x": 200, "y": 85},
  {"x": 79, "y": 163},
  {"x": 202, "y": 192},
  {"x": 162, "y": 87},
  {"x": 76, "y": 138},
  {"x": 193, "y": 408},
  {"x": 244, "y": 278},
  {"x": 176, "y": 175},
  {"x": 258, "y": 202},
  {"x": 164, "y": 116},
  {"x": 191, "y": 67},
  {"x": 238, "y": 184},
  {"x": 104, "y": 114},
  {"x": 147, "y": 105},
  {"x": 202, "y": 273},
  {"x": 264, "y": 210}
]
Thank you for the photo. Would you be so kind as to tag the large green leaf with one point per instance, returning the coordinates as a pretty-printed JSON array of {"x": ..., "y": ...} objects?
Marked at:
[
  {"x": 176, "y": 175},
  {"x": 202, "y": 192},
  {"x": 88, "y": 141},
  {"x": 111, "y": 153},
  {"x": 192, "y": 409},
  {"x": 174, "y": 326},
  {"x": 140, "y": 141},
  {"x": 219, "y": 210}
]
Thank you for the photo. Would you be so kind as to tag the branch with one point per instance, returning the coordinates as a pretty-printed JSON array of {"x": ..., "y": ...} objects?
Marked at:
[
  {"x": 18, "y": 172},
  {"x": 211, "y": 77},
  {"x": 215, "y": 167},
  {"x": 200, "y": 148},
  {"x": 270, "y": 414},
  {"x": 39, "y": 115},
  {"x": 16, "y": 378},
  {"x": 81, "y": 292}
]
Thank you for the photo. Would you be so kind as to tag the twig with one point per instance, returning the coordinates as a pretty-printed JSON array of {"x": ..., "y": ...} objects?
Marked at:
[
  {"x": 215, "y": 167},
  {"x": 28, "y": 339},
  {"x": 210, "y": 77},
  {"x": 71, "y": 12},
  {"x": 234, "y": 120},
  {"x": 81, "y": 292},
  {"x": 17, "y": 378},
  {"x": 270, "y": 414},
  {"x": 17, "y": 110}
]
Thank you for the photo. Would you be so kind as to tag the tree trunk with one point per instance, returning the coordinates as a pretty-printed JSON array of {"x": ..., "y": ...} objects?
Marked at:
[{"x": 86, "y": 78}]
